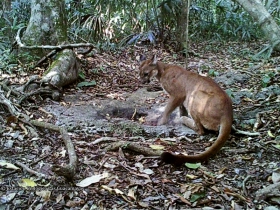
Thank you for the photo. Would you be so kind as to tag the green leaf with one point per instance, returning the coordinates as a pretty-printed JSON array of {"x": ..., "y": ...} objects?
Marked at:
[
  {"x": 277, "y": 146},
  {"x": 27, "y": 183},
  {"x": 82, "y": 75},
  {"x": 197, "y": 196},
  {"x": 212, "y": 72},
  {"x": 193, "y": 165},
  {"x": 229, "y": 92},
  {"x": 265, "y": 80},
  {"x": 86, "y": 84}
]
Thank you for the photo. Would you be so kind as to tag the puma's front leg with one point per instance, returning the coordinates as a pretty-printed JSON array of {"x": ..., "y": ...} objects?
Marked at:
[{"x": 171, "y": 105}]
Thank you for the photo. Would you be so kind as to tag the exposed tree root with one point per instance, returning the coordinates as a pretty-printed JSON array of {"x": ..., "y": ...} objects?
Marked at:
[
  {"x": 3, "y": 100},
  {"x": 134, "y": 147},
  {"x": 69, "y": 170},
  {"x": 246, "y": 133}
]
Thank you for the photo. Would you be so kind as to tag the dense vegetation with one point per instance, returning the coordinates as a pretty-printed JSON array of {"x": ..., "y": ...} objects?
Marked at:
[{"x": 114, "y": 24}]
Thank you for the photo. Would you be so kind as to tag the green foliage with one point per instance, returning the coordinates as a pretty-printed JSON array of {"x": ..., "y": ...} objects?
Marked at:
[
  {"x": 222, "y": 20},
  {"x": 213, "y": 73},
  {"x": 86, "y": 84},
  {"x": 130, "y": 22},
  {"x": 266, "y": 79},
  {"x": 10, "y": 21},
  {"x": 112, "y": 24}
]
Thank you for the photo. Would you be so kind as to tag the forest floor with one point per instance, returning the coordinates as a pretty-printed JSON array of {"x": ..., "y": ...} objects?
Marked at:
[{"x": 124, "y": 179}]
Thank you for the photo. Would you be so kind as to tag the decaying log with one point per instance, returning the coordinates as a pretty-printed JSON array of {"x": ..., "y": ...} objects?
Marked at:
[
  {"x": 272, "y": 190},
  {"x": 65, "y": 68},
  {"x": 63, "y": 71}
]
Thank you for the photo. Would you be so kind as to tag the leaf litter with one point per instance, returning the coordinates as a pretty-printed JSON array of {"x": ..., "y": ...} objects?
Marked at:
[{"x": 236, "y": 178}]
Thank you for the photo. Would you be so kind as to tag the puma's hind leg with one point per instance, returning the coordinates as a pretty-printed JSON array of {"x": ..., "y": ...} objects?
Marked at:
[{"x": 190, "y": 123}]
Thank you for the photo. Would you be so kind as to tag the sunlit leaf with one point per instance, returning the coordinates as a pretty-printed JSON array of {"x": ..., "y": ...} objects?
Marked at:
[
  {"x": 157, "y": 147},
  {"x": 190, "y": 176},
  {"x": 27, "y": 183},
  {"x": 270, "y": 134},
  {"x": 277, "y": 146},
  {"x": 91, "y": 180},
  {"x": 59, "y": 198},
  {"x": 193, "y": 165}
]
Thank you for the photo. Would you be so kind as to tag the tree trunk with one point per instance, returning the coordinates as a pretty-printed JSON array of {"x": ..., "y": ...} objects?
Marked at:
[
  {"x": 48, "y": 26},
  {"x": 269, "y": 27},
  {"x": 6, "y": 5},
  {"x": 181, "y": 26}
]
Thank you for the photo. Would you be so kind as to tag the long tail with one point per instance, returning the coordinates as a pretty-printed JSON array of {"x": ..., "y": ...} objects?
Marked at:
[{"x": 180, "y": 159}]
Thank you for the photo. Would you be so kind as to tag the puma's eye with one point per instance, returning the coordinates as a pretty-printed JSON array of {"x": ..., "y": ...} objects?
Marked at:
[{"x": 145, "y": 74}]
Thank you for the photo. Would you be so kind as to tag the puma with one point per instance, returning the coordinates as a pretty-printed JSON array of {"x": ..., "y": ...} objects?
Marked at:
[{"x": 203, "y": 105}]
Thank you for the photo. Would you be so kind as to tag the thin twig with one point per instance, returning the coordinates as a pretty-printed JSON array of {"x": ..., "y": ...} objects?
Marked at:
[
  {"x": 244, "y": 185},
  {"x": 25, "y": 167}
]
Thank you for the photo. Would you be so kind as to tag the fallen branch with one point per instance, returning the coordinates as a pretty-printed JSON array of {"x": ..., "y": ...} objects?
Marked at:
[
  {"x": 134, "y": 147},
  {"x": 269, "y": 191},
  {"x": 50, "y": 47},
  {"x": 25, "y": 167},
  {"x": 102, "y": 139},
  {"x": 69, "y": 170}
]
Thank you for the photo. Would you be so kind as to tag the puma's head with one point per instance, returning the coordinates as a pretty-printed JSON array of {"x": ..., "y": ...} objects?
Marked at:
[{"x": 148, "y": 69}]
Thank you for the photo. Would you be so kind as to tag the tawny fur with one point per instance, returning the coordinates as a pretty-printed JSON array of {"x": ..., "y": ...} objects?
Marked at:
[{"x": 203, "y": 104}]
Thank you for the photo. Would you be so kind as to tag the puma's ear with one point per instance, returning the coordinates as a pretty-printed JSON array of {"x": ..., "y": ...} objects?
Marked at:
[
  {"x": 142, "y": 57},
  {"x": 154, "y": 59}
]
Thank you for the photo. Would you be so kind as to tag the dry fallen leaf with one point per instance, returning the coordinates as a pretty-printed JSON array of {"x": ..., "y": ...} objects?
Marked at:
[
  {"x": 276, "y": 176},
  {"x": 45, "y": 194},
  {"x": 8, "y": 165},
  {"x": 90, "y": 180}
]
